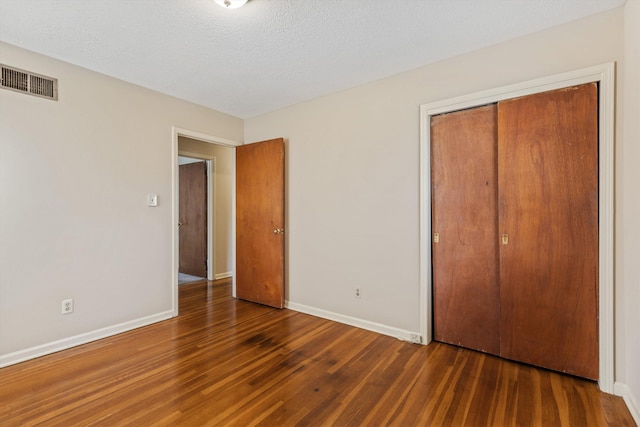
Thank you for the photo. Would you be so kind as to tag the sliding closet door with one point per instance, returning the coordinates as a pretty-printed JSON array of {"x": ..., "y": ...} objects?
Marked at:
[
  {"x": 548, "y": 192},
  {"x": 464, "y": 224}
]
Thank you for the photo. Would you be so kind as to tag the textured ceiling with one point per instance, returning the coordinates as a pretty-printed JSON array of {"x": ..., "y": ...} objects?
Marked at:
[{"x": 270, "y": 53}]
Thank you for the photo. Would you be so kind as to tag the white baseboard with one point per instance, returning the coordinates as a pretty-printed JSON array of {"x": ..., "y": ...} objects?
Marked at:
[
  {"x": 223, "y": 275},
  {"x": 65, "y": 343},
  {"x": 622, "y": 390},
  {"x": 400, "y": 334}
]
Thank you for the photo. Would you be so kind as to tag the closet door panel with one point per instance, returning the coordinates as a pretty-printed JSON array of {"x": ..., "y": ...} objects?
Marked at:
[
  {"x": 548, "y": 193},
  {"x": 464, "y": 218}
]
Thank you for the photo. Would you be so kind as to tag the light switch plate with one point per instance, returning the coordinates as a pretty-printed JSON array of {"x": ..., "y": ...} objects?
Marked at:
[{"x": 152, "y": 199}]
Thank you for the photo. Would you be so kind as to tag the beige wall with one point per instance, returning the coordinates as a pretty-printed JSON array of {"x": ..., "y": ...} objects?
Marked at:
[
  {"x": 74, "y": 221},
  {"x": 628, "y": 230},
  {"x": 353, "y": 176},
  {"x": 223, "y": 238}
]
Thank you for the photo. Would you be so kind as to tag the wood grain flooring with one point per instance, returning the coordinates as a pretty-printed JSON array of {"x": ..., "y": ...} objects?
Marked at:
[{"x": 229, "y": 362}]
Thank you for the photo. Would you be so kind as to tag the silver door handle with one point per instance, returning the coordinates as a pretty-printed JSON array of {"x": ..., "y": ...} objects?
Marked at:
[{"x": 278, "y": 231}]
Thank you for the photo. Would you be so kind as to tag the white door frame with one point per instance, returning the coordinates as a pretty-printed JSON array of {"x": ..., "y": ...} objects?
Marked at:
[
  {"x": 604, "y": 75},
  {"x": 175, "y": 134}
]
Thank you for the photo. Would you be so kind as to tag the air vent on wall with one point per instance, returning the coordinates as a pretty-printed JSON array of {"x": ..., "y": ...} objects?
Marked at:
[{"x": 29, "y": 83}]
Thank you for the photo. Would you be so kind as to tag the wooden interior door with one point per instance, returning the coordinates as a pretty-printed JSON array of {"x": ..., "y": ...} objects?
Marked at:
[
  {"x": 464, "y": 179},
  {"x": 193, "y": 219},
  {"x": 260, "y": 222},
  {"x": 548, "y": 184}
]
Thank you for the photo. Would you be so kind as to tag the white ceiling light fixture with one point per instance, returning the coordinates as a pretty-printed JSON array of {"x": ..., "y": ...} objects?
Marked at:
[{"x": 231, "y": 4}]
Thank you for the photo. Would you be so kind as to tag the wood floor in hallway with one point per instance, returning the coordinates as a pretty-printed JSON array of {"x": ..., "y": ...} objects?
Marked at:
[{"x": 229, "y": 362}]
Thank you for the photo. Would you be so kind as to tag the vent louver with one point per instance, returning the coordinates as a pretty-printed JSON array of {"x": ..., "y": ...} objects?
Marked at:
[{"x": 30, "y": 83}]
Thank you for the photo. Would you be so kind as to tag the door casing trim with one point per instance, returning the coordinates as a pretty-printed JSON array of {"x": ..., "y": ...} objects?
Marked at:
[
  {"x": 177, "y": 132},
  {"x": 604, "y": 75}
]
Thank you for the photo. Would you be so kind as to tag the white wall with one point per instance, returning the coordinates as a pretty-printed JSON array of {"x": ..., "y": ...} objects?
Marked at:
[
  {"x": 74, "y": 223},
  {"x": 223, "y": 193},
  {"x": 353, "y": 175}
]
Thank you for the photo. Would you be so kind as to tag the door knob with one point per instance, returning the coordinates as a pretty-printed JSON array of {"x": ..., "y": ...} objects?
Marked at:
[
  {"x": 278, "y": 231},
  {"x": 179, "y": 224}
]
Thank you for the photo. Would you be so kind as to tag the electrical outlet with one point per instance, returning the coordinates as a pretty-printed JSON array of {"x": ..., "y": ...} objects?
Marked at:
[
  {"x": 357, "y": 294},
  {"x": 67, "y": 306}
]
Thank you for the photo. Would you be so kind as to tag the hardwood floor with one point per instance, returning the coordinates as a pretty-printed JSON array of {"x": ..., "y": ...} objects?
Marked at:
[{"x": 229, "y": 362}]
